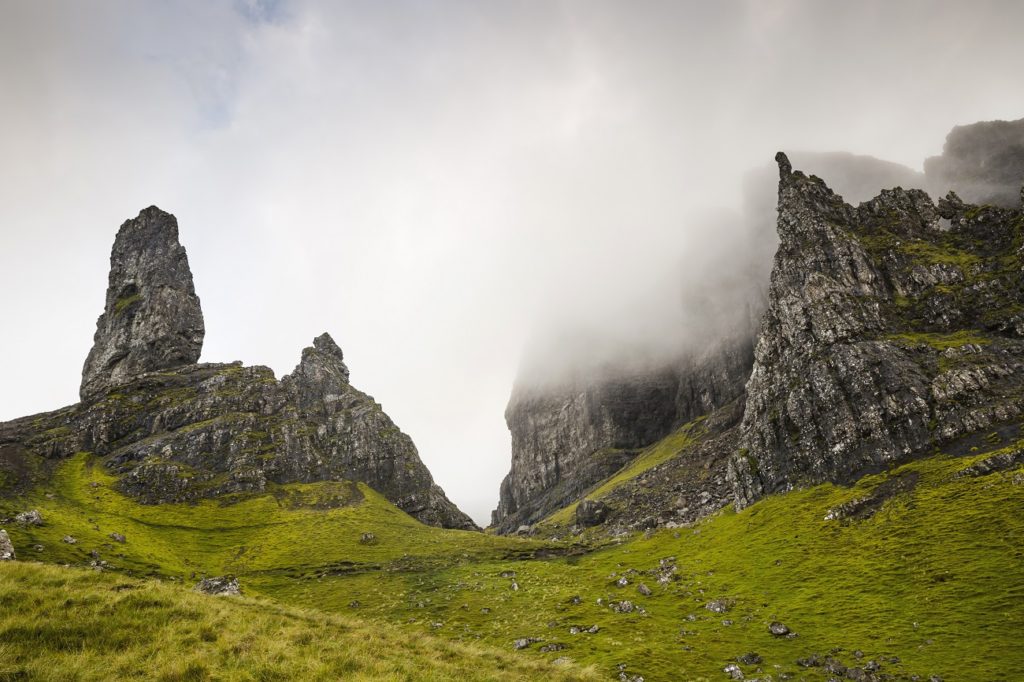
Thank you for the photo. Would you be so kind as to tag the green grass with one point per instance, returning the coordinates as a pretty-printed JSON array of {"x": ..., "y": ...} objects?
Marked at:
[
  {"x": 936, "y": 577},
  {"x": 940, "y": 342},
  {"x": 294, "y": 528},
  {"x": 650, "y": 457},
  {"x": 75, "y": 624}
]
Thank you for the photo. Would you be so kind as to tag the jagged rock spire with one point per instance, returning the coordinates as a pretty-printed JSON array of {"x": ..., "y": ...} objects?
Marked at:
[{"x": 152, "y": 319}]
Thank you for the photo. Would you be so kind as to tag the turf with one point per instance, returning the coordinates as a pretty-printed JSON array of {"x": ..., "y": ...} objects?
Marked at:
[{"x": 935, "y": 577}]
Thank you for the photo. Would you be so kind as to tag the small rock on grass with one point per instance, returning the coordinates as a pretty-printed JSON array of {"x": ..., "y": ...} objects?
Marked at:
[
  {"x": 6, "y": 548},
  {"x": 219, "y": 586}
]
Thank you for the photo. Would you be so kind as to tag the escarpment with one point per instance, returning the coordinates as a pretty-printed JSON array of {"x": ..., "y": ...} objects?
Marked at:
[
  {"x": 892, "y": 327},
  {"x": 568, "y": 437},
  {"x": 174, "y": 430}
]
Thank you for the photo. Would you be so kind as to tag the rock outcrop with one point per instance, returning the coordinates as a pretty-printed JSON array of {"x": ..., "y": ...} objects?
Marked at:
[
  {"x": 173, "y": 430},
  {"x": 567, "y": 438},
  {"x": 886, "y": 333},
  {"x": 152, "y": 319}
]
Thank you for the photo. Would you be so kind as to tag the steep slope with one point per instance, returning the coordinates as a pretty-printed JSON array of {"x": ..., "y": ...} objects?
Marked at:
[
  {"x": 175, "y": 431},
  {"x": 568, "y": 437},
  {"x": 885, "y": 334}
]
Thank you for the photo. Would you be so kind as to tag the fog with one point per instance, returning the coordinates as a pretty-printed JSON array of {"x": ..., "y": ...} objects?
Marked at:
[{"x": 447, "y": 186}]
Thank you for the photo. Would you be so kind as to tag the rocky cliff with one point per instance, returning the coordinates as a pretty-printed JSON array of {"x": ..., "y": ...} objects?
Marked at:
[
  {"x": 566, "y": 438},
  {"x": 891, "y": 327},
  {"x": 983, "y": 162},
  {"x": 177, "y": 431},
  {"x": 152, "y": 319}
]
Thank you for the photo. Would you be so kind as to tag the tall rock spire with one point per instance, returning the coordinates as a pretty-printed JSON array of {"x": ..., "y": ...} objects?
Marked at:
[{"x": 152, "y": 319}]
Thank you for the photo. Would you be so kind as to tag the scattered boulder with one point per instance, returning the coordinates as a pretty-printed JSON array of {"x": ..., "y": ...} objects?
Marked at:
[
  {"x": 591, "y": 513},
  {"x": 6, "y": 548},
  {"x": 778, "y": 629},
  {"x": 367, "y": 539},
  {"x": 624, "y": 606},
  {"x": 644, "y": 590},
  {"x": 554, "y": 646},
  {"x": 219, "y": 586},
  {"x": 524, "y": 642},
  {"x": 118, "y": 537},
  {"x": 719, "y": 605},
  {"x": 750, "y": 658},
  {"x": 29, "y": 518},
  {"x": 733, "y": 671},
  {"x": 69, "y": 539}
]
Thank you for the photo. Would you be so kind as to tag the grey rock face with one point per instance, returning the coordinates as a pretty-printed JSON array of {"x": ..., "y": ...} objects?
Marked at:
[
  {"x": 567, "y": 438},
  {"x": 152, "y": 319},
  {"x": 176, "y": 431},
  {"x": 591, "y": 513},
  {"x": 884, "y": 334},
  {"x": 6, "y": 548},
  {"x": 983, "y": 162}
]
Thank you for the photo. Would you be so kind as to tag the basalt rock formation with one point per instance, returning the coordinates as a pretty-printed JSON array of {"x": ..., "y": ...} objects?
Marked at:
[
  {"x": 567, "y": 438},
  {"x": 892, "y": 327},
  {"x": 174, "y": 430},
  {"x": 152, "y": 319}
]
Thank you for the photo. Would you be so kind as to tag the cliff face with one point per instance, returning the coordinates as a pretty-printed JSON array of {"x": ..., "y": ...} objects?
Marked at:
[
  {"x": 891, "y": 327},
  {"x": 566, "y": 439},
  {"x": 176, "y": 431},
  {"x": 152, "y": 319},
  {"x": 983, "y": 162}
]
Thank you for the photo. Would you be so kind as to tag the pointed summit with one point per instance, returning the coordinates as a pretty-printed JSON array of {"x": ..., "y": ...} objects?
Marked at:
[{"x": 152, "y": 319}]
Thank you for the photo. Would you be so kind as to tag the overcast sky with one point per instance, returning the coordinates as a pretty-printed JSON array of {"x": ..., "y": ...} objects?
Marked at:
[{"x": 433, "y": 182}]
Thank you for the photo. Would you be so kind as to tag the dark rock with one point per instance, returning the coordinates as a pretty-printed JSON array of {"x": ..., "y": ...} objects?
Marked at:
[
  {"x": 6, "y": 548},
  {"x": 990, "y": 465},
  {"x": 367, "y": 539},
  {"x": 644, "y": 590},
  {"x": 591, "y": 513},
  {"x": 219, "y": 586},
  {"x": 354, "y": 604},
  {"x": 117, "y": 537},
  {"x": 570, "y": 435},
  {"x": 152, "y": 319},
  {"x": 812, "y": 661},
  {"x": 554, "y": 646},
  {"x": 750, "y": 658},
  {"x": 175, "y": 431}
]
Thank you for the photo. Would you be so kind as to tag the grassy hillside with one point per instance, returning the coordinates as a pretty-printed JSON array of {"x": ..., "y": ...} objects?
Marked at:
[
  {"x": 76, "y": 624},
  {"x": 934, "y": 577}
]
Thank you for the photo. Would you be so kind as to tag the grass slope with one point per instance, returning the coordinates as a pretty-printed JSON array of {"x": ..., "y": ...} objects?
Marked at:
[
  {"x": 935, "y": 577},
  {"x": 75, "y": 624}
]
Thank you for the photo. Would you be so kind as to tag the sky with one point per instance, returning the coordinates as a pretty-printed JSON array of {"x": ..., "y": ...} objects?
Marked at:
[{"x": 438, "y": 184}]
